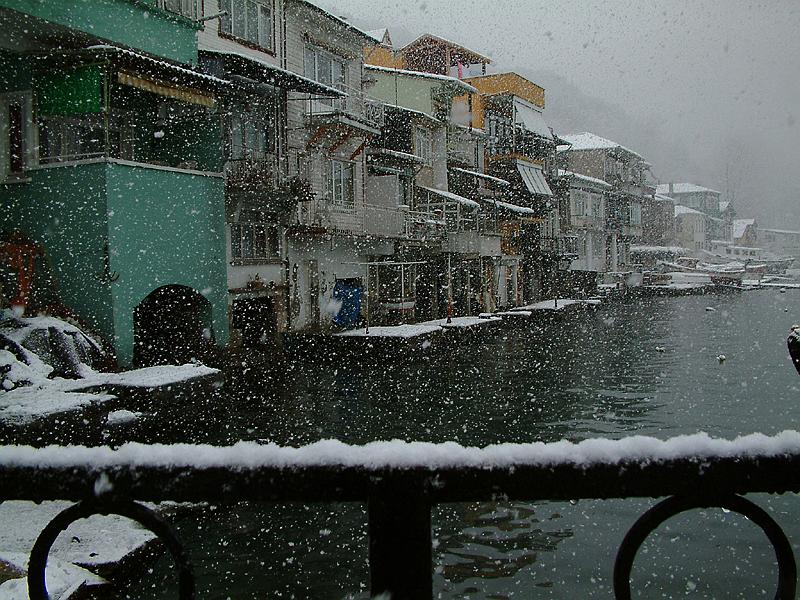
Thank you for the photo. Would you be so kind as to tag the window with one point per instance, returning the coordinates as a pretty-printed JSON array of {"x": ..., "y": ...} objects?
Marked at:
[
  {"x": 251, "y": 135},
  {"x": 339, "y": 183},
  {"x": 326, "y": 68},
  {"x": 423, "y": 144},
  {"x": 597, "y": 206},
  {"x": 252, "y": 238},
  {"x": 191, "y": 9},
  {"x": 579, "y": 203},
  {"x": 636, "y": 214},
  {"x": 248, "y": 20},
  {"x": 16, "y": 133}
]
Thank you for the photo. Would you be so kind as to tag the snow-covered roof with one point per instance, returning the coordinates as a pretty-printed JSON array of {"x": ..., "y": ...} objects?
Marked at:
[
  {"x": 584, "y": 178},
  {"x": 466, "y": 52},
  {"x": 679, "y": 250},
  {"x": 280, "y": 76},
  {"x": 451, "y": 196},
  {"x": 685, "y": 210},
  {"x": 496, "y": 180},
  {"x": 418, "y": 113},
  {"x": 591, "y": 141},
  {"x": 445, "y": 78},
  {"x": 683, "y": 188},
  {"x": 786, "y": 231},
  {"x": 741, "y": 225},
  {"x": 723, "y": 206},
  {"x": 339, "y": 20},
  {"x": 160, "y": 63}
]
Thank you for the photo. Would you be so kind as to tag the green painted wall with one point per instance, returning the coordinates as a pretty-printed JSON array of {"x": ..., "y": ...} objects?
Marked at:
[
  {"x": 408, "y": 92},
  {"x": 135, "y": 23},
  {"x": 64, "y": 210},
  {"x": 165, "y": 228}
]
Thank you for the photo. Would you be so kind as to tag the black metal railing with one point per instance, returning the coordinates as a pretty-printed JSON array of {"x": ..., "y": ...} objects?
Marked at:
[{"x": 400, "y": 484}]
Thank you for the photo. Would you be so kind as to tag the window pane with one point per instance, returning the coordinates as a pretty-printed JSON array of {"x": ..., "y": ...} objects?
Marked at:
[
  {"x": 261, "y": 241},
  {"x": 237, "y": 139},
  {"x": 309, "y": 69},
  {"x": 265, "y": 27},
  {"x": 238, "y": 17},
  {"x": 247, "y": 241},
  {"x": 252, "y": 21},
  {"x": 323, "y": 68},
  {"x": 225, "y": 20},
  {"x": 338, "y": 73},
  {"x": 273, "y": 242},
  {"x": 236, "y": 241}
]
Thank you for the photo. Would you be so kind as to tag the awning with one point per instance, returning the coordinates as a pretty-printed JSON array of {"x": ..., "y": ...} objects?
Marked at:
[
  {"x": 169, "y": 73},
  {"x": 530, "y": 116},
  {"x": 479, "y": 175},
  {"x": 451, "y": 196},
  {"x": 534, "y": 179},
  {"x": 161, "y": 88},
  {"x": 260, "y": 71}
]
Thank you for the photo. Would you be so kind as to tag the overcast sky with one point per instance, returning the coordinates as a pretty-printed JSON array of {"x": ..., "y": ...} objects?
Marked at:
[{"x": 713, "y": 85}]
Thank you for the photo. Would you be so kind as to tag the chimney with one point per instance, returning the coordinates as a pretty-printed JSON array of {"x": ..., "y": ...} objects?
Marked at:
[{"x": 671, "y": 188}]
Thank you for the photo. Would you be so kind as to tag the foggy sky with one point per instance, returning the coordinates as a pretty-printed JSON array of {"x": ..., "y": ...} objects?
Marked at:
[{"x": 708, "y": 91}]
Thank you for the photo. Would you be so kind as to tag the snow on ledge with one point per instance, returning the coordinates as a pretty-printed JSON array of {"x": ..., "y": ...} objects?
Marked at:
[{"x": 398, "y": 454}]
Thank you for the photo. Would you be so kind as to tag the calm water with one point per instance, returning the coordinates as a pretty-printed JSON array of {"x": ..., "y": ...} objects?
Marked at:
[{"x": 595, "y": 374}]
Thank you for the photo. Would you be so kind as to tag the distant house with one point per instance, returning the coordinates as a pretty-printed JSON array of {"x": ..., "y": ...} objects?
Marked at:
[
  {"x": 705, "y": 200},
  {"x": 782, "y": 242},
  {"x": 595, "y": 156},
  {"x": 745, "y": 233},
  {"x": 691, "y": 228}
]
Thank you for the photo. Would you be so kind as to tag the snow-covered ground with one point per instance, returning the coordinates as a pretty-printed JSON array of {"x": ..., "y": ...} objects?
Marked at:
[
  {"x": 462, "y": 322},
  {"x": 96, "y": 541},
  {"x": 393, "y": 331},
  {"x": 29, "y": 390},
  {"x": 556, "y": 304},
  {"x": 51, "y": 396}
]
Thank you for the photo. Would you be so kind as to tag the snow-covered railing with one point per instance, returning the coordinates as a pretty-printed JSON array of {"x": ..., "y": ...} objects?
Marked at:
[{"x": 401, "y": 481}]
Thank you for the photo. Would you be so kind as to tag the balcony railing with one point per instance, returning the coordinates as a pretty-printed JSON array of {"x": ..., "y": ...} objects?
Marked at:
[
  {"x": 370, "y": 220},
  {"x": 356, "y": 105},
  {"x": 401, "y": 482}
]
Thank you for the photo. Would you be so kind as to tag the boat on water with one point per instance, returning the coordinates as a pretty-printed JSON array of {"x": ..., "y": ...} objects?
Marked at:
[{"x": 755, "y": 260}]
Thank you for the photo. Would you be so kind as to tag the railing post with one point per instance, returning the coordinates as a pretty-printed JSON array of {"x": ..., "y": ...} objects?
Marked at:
[{"x": 400, "y": 554}]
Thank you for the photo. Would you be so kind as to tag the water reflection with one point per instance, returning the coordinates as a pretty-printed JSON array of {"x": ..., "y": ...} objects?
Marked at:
[{"x": 645, "y": 368}]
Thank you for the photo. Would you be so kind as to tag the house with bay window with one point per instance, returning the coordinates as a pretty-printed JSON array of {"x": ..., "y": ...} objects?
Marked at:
[
  {"x": 626, "y": 171},
  {"x": 587, "y": 197},
  {"x": 244, "y": 45},
  {"x": 332, "y": 233},
  {"x": 520, "y": 149},
  {"x": 110, "y": 166}
]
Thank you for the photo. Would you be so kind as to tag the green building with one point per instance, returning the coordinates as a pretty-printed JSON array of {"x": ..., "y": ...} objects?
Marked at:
[{"x": 111, "y": 161}]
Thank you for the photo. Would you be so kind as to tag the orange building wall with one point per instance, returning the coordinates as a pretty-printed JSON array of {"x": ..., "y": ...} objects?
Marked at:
[
  {"x": 509, "y": 83},
  {"x": 383, "y": 57}
]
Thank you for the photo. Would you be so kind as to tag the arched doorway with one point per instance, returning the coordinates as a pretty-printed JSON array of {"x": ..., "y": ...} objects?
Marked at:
[{"x": 172, "y": 325}]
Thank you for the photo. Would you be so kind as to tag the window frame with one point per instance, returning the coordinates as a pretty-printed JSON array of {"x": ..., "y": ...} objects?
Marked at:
[
  {"x": 189, "y": 9},
  {"x": 28, "y": 134},
  {"x": 264, "y": 240},
  {"x": 344, "y": 194},
  {"x": 423, "y": 140},
  {"x": 264, "y": 37}
]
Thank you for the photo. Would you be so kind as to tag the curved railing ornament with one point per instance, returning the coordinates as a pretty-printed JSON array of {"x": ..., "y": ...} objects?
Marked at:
[
  {"x": 649, "y": 522},
  {"x": 107, "y": 505}
]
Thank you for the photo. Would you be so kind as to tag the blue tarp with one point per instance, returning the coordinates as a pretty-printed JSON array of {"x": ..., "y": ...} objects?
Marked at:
[{"x": 349, "y": 294}]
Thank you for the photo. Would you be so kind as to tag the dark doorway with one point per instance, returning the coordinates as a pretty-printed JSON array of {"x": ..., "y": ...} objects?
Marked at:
[
  {"x": 255, "y": 317},
  {"x": 172, "y": 325}
]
